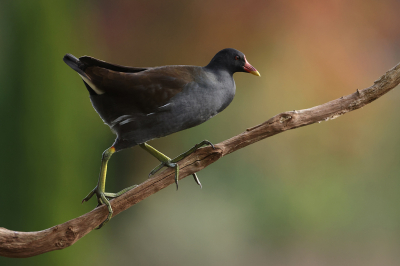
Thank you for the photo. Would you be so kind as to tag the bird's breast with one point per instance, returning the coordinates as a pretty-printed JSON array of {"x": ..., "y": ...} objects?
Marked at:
[{"x": 199, "y": 101}]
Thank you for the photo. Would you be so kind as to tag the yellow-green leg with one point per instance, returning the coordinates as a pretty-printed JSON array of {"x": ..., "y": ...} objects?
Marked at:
[
  {"x": 168, "y": 162},
  {"x": 99, "y": 190}
]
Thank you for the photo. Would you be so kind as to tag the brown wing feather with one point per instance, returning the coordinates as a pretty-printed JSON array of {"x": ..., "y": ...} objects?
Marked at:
[{"x": 146, "y": 90}]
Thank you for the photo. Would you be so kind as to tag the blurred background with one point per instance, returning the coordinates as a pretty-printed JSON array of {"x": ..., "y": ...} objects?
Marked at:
[{"x": 325, "y": 194}]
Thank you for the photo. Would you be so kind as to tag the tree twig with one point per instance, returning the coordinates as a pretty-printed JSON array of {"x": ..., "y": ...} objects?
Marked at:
[{"x": 26, "y": 244}]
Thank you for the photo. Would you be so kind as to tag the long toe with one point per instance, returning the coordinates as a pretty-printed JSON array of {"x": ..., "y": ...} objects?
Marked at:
[
  {"x": 115, "y": 195},
  {"x": 110, "y": 211},
  {"x": 88, "y": 197},
  {"x": 156, "y": 169}
]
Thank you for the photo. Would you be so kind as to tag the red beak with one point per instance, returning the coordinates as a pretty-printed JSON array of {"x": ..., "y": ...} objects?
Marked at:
[{"x": 249, "y": 68}]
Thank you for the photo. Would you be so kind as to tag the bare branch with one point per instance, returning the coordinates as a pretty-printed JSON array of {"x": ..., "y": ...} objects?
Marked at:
[{"x": 26, "y": 244}]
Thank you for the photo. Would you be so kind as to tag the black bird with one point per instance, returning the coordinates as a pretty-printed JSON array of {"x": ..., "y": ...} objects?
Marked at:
[{"x": 143, "y": 103}]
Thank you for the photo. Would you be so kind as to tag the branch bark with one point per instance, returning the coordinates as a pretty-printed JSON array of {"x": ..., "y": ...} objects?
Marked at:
[{"x": 26, "y": 244}]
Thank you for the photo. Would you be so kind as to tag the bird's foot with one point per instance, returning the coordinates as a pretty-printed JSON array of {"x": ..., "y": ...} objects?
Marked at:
[
  {"x": 173, "y": 163},
  {"x": 103, "y": 198}
]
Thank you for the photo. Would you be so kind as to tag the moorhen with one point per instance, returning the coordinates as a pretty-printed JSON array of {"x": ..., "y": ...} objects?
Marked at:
[{"x": 143, "y": 103}]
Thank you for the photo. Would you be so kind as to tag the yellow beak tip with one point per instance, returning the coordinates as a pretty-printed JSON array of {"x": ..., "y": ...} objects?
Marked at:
[{"x": 256, "y": 73}]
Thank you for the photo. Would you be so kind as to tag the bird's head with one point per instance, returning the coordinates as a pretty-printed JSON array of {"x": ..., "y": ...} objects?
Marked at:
[{"x": 232, "y": 60}]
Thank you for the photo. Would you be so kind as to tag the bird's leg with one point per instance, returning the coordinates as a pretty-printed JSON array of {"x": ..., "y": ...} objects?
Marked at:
[
  {"x": 164, "y": 159},
  {"x": 99, "y": 190}
]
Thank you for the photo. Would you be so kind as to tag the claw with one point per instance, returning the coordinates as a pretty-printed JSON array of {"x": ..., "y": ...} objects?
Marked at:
[
  {"x": 212, "y": 145},
  {"x": 196, "y": 179},
  {"x": 206, "y": 142}
]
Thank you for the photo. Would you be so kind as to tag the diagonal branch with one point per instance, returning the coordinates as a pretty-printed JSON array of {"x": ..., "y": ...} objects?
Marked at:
[{"x": 26, "y": 244}]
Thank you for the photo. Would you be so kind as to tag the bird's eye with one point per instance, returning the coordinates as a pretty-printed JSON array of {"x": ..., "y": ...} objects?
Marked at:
[{"x": 237, "y": 57}]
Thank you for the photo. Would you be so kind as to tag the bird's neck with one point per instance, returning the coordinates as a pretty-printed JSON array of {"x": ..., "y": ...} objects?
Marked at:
[
  {"x": 218, "y": 67},
  {"x": 218, "y": 70},
  {"x": 218, "y": 74}
]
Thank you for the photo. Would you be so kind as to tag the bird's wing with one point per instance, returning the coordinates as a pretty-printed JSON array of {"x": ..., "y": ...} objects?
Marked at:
[{"x": 148, "y": 90}]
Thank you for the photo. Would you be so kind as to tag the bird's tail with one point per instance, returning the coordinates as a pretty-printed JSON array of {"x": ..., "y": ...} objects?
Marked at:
[
  {"x": 80, "y": 67},
  {"x": 75, "y": 64}
]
